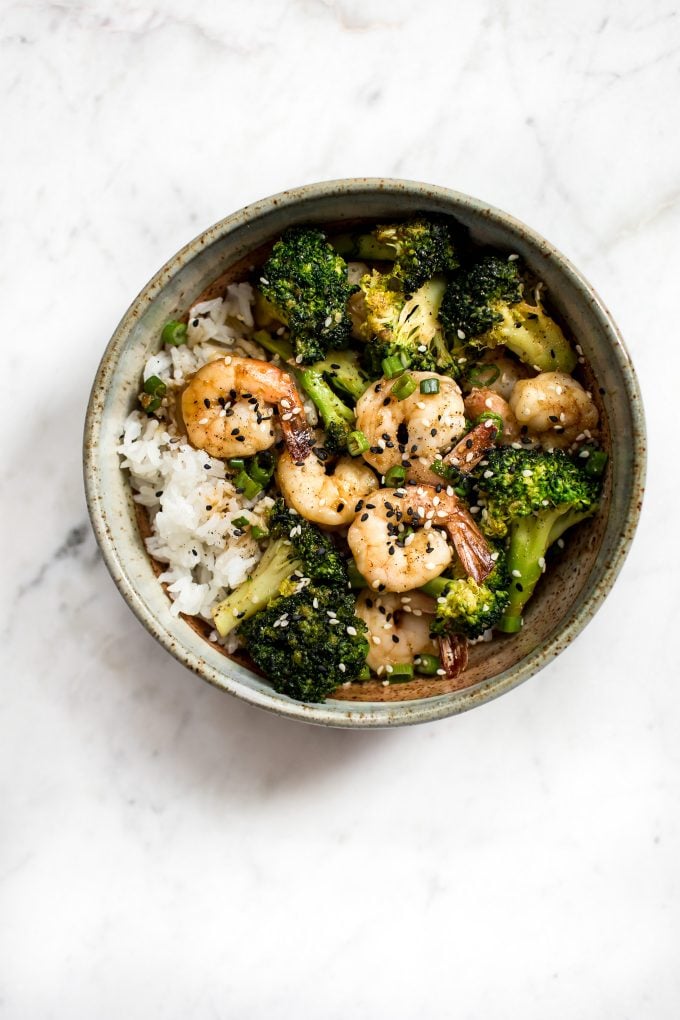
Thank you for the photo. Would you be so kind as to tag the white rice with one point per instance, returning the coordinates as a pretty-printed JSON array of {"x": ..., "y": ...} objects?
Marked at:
[{"x": 203, "y": 557}]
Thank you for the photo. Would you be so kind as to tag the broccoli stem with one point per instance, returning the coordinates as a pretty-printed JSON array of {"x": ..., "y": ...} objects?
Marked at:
[
  {"x": 342, "y": 370},
  {"x": 363, "y": 246},
  {"x": 536, "y": 339},
  {"x": 530, "y": 539},
  {"x": 277, "y": 564},
  {"x": 436, "y": 587},
  {"x": 274, "y": 344},
  {"x": 329, "y": 405}
]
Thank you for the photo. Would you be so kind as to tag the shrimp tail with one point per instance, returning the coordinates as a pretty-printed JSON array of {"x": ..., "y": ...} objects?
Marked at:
[
  {"x": 467, "y": 453},
  {"x": 453, "y": 655},
  {"x": 298, "y": 438},
  {"x": 472, "y": 548}
]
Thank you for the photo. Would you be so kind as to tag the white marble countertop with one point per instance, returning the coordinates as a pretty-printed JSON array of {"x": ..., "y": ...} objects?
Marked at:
[{"x": 168, "y": 852}]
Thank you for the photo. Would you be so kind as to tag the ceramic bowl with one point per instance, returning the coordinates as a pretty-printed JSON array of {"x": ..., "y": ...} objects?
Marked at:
[{"x": 573, "y": 589}]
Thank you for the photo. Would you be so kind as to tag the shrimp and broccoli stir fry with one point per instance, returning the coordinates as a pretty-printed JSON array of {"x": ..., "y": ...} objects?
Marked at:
[{"x": 406, "y": 427}]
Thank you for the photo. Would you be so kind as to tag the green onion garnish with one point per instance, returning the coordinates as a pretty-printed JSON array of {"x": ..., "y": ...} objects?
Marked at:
[
  {"x": 261, "y": 468},
  {"x": 395, "y": 365},
  {"x": 395, "y": 476},
  {"x": 427, "y": 665},
  {"x": 245, "y": 482},
  {"x": 257, "y": 532},
  {"x": 483, "y": 375},
  {"x": 174, "y": 333},
  {"x": 236, "y": 463},
  {"x": 401, "y": 673},
  {"x": 149, "y": 403},
  {"x": 364, "y": 673},
  {"x": 240, "y": 522},
  {"x": 493, "y": 417},
  {"x": 356, "y": 578},
  {"x": 404, "y": 387},
  {"x": 155, "y": 386},
  {"x": 357, "y": 443},
  {"x": 429, "y": 386}
]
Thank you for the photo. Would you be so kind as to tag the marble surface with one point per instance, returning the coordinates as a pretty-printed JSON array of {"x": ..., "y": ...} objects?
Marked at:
[{"x": 166, "y": 851}]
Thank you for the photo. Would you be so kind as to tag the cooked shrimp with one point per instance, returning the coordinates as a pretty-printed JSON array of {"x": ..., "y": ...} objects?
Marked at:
[
  {"x": 325, "y": 496},
  {"x": 228, "y": 409},
  {"x": 393, "y": 558},
  {"x": 554, "y": 407},
  {"x": 509, "y": 372},
  {"x": 414, "y": 431},
  {"x": 480, "y": 400},
  {"x": 398, "y": 627}
]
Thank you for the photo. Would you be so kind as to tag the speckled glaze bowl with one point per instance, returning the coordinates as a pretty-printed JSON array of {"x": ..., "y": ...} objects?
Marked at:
[{"x": 571, "y": 592}]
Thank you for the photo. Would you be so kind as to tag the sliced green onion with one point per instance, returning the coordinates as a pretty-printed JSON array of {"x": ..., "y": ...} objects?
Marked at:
[
  {"x": 429, "y": 386},
  {"x": 495, "y": 418},
  {"x": 245, "y": 482},
  {"x": 155, "y": 386},
  {"x": 174, "y": 333},
  {"x": 356, "y": 578},
  {"x": 236, "y": 463},
  {"x": 427, "y": 665},
  {"x": 395, "y": 365},
  {"x": 240, "y": 522},
  {"x": 357, "y": 443},
  {"x": 401, "y": 673},
  {"x": 257, "y": 532},
  {"x": 483, "y": 375},
  {"x": 404, "y": 387},
  {"x": 149, "y": 403},
  {"x": 596, "y": 463},
  {"x": 364, "y": 673},
  {"x": 261, "y": 468},
  {"x": 395, "y": 476}
]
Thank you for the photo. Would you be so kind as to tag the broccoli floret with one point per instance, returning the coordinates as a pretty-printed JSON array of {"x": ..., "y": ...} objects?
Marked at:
[
  {"x": 308, "y": 642},
  {"x": 532, "y": 497},
  {"x": 419, "y": 248},
  {"x": 296, "y": 546},
  {"x": 305, "y": 282},
  {"x": 398, "y": 324},
  {"x": 483, "y": 304},
  {"x": 338, "y": 419},
  {"x": 465, "y": 607}
]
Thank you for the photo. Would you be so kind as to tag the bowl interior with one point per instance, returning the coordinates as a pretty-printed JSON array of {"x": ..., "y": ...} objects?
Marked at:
[{"x": 578, "y": 579}]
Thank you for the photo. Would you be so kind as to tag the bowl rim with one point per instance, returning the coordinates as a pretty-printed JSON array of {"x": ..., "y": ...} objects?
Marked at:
[{"x": 362, "y": 714}]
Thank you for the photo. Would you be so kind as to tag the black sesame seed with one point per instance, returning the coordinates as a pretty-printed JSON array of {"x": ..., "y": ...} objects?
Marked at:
[
  {"x": 340, "y": 507},
  {"x": 518, "y": 586},
  {"x": 395, "y": 639},
  {"x": 240, "y": 439},
  {"x": 206, "y": 401},
  {"x": 208, "y": 506},
  {"x": 364, "y": 517}
]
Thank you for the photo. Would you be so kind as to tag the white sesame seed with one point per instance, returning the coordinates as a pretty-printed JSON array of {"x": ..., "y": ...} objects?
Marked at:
[
  {"x": 421, "y": 405},
  {"x": 352, "y": 631},
  {"x": 513, "y": 257},
  {"x": 460, "y": 334},
  {"x": 203, "y": 421},
  {"x": 328, "y": 320},
  {"x": 342, "y": 667},
  {"x": 488, "y": 402},
  {"x": 263, "y": 279},
  {"x": 488, "y": 474},
  {"x": 468, "y": 457},
  {"x": 287, "y": 416},
  {"x": 385, "y": 683},
  {"x": 422, "y": 348},
  {"x": 474, "y": 509},
  {"x": 376, "y": 640},
  {"x": 560, "y": 543},
  {"x": 441, "y": 672},
  {"x": 389, "y": 668}
]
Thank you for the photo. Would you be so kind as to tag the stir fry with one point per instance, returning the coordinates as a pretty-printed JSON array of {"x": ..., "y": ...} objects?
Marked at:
[{"x": 408, "y": 432}]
